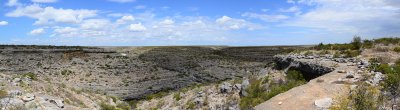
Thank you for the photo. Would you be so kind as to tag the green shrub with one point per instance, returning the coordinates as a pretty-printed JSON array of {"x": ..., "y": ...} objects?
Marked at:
[
  {"x": 30, "y": 75},
  {"x": 177, "y": 96},
  {"x": 105, "y": 106},
  {"x": 190, "y": 105},
  {"x": 356, "y": 43},
  {"x": 397, "y": 49},
  {"x": 363, "y": 97},
  {"x": 352, "y": 53},
  {"x": 257, "y": 93}
]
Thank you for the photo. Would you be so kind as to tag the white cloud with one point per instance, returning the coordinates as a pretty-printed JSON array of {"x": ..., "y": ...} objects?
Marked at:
[
  {"x": 95, "y": 24},
  {"x": 13, "y": 3},
  {"x": 167, "y": 22},
  {"x": 48, "y": 15},
  {"x": 223, "y": 19},
  {"x": 140, "y": 7},
  {"x": 66, "y": 31},
  {"x": 137, "y": 27},
  {"x": 366, "y": 17},
  {"x": 37, "y": 31},
  {"x": 290, "y": 1},
  {"x": 291, "y": 9},
  {"x": 233, "y": 24},
  {"x": 3, "y": 23},
  {"x": 265, "y": 17},
  {"x": 122, "y": 1},
  {"x": 124, "y": 19},
  {"x": 44, "y": 1}
]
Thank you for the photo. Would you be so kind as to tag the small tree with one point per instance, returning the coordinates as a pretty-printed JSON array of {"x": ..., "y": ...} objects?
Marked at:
[{"x": 356, "y": 43}]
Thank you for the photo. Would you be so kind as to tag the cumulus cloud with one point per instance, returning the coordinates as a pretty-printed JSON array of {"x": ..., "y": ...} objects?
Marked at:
[
  {"x": 44, "y": 1},
  {"x": 167, "y": 22},
  {"x": 265, "y": 17},
  {"x": 125, "y": 19},
  {"x": 122, "y": 1},
  {"x": 13, "y": 3},
  {"x": 291, "y": 9},
  {"x": 37, "y": 31},
  {"x": 233, "y": 24},
  {"x": 95, "y": 24},
  {"x": 368, "y": 17},
  {"x": 3, "y": 23},
  {"x": 48, "y": 15},
  {"x": 66, "y": 31},
  {"x": 137, "y": 27}
]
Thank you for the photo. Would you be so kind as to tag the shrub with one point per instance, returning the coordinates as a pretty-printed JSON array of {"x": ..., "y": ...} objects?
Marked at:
[
  {"x": 30, "y": 75},
  {"x": 397, "y": 49},
  {"x": 356, "y": 43},
  {"x": 352, "y": 53},
  {"x": 364, "y": 97},
  {"x": 257, "y": 93},
  {"x": 177, "y": 96},
  {"x": 105, "y": 106}
]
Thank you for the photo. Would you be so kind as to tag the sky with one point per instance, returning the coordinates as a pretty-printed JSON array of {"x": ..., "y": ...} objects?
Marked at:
[{"x": 195, "y": 22}]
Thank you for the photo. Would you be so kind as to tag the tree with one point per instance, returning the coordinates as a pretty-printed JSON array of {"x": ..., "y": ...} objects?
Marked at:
[{"x": 356, "y": 42}]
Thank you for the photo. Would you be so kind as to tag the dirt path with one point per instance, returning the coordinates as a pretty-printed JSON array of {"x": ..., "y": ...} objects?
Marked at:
[{"x": 303, "y": 97}]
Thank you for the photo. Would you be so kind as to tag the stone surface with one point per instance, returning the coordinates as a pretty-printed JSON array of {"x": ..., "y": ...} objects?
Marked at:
[
  {"x": 28, "y": 97},
  {"x": 323, "y": 103},
  {"x": 225, "y": 87}
]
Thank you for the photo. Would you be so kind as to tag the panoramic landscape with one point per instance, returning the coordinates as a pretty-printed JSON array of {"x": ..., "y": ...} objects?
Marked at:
[{"x": 199, "y": 55}]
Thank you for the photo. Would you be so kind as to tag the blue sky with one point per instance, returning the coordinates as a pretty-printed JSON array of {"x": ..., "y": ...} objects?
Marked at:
[{"x": 195, "y": 22}]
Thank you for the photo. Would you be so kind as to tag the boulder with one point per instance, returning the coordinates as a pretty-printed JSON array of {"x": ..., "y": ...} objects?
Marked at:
[
  {"x": 225, "y": 87},
  {"x": 324, "y": 103},
  {"x": 377, "y": 78},
  {"x": 28, "y": 97},
  {"x": 237, "y": 87},
  {"x": 350, "y": 74},
  {"x": 244, "y": 86},
  {"x": 58, "y": 103},
  {"x": 16, "y": 81}
]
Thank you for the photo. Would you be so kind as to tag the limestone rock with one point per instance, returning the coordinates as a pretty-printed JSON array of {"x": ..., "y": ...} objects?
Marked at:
[
  {"x": 350, "y": 74},
  {"x": 28, "y": 97},
  {"x": 8, "y": 102},
  {"x": 323, "y": 103},
  {"x": 225, "y": 87},
  {"x": 244, "y": 86}
]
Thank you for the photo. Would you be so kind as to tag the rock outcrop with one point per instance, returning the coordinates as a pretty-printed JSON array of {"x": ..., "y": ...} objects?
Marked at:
[{"x": 307, "y": 65}]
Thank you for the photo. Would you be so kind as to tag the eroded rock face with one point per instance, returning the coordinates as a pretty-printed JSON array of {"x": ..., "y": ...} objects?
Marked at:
[{"x": 311, "y": 69}]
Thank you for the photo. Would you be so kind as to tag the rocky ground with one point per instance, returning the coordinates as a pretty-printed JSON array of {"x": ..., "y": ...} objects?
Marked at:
[
  {"x": 319, "y": 93},
  {"x": 48, "y": 77}
]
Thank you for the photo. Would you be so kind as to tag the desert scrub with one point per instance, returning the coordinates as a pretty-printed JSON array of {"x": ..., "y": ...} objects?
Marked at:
[
  {"x": 363, "y": 97},
  {"x": 257, "y": 93},
  {"x": 177, "y": 96},
  {"x": 30, "y": 75},
  {"x": 397, "y": 49}
]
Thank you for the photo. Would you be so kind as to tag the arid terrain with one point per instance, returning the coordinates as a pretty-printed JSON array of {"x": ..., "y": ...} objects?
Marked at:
[{"x": 199, "y": 77}]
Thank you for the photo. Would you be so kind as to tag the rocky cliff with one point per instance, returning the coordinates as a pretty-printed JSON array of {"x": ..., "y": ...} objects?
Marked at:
[{"x": 310, "y": 69}]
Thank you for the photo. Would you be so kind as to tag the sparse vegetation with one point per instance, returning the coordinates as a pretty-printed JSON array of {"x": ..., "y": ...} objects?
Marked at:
[
  {"x": 258, "y": 93},
  {"x": 177, "y": 96},
  {"x": 30, "y": 75},
  {"x": 363, "y": 97}
]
